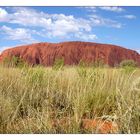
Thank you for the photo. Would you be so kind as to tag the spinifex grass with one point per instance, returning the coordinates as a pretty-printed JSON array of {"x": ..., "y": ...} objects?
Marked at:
[{"x": 44, "y": 100}]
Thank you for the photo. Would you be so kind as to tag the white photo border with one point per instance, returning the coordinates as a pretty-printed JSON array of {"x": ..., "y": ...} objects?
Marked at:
[
  {"x": 70, "y": 3},
  {"x": 70, "y": 137}
]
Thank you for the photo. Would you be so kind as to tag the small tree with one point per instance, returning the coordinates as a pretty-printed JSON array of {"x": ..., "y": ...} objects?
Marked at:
[
  {"x": 128, "y": 63},
  {"x": 58, "y": 64}
]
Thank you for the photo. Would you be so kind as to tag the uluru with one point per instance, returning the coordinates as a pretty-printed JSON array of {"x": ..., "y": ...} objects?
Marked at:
[{"x": 72, "y": 52}]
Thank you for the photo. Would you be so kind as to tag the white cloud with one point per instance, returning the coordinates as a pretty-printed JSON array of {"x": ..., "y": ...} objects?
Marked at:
[
  {"x": 129, "y": 16},
  {"x": 53, "y": 25},
  {"x": 19, "y": 34},
  {"x": 100, "y": 21},
  {"x": 2, "y": 48},
  {"x": 106, "y": 8},
  {"x": 82, "y": 36},
  {"x": 138, "y": 51},
  {"x": 3, "y": 15},
  {"x": 91, "y": 8},
  {"x": 64, "y": 25},
  {"x": 29, "y": 17},
  {"x": 112, "y": 8}
]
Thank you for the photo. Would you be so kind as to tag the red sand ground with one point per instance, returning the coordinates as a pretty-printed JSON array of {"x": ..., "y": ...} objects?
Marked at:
[
  {"x": 90, "y": 125},
  {"x": 100, "y": 126}
]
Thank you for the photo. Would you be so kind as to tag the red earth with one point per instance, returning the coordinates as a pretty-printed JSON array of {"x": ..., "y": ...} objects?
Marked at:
[
  {"x": 90, "y": 125},
  {"x": 72, "y": 53},
  {"x": 100, "y": 126}
]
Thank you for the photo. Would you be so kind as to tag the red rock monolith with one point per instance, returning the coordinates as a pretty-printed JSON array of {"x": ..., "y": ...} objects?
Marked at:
[{"x": 72, "y": 53}]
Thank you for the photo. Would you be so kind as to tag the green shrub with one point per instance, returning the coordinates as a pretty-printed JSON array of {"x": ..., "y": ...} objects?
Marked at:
[
  {"x": 58, "y": 64},
  {"x": 35, "y": 76},
  {"x": 14, "y": 62},
  {"x": 82, "y": 69},
  {"x": 99, "y": 63},
  {"x": 128, "y": 63}
]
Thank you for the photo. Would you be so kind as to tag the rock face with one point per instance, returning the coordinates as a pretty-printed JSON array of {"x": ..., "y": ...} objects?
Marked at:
[{"x": 72, "y": 52}]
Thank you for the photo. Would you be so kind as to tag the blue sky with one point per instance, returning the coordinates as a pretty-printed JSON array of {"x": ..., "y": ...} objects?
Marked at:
[{"x": 112, "y": 25}]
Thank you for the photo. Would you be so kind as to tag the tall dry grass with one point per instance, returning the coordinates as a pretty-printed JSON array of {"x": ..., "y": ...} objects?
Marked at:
[{"x": 37, "y": 100}]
